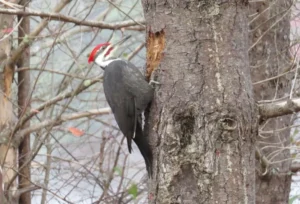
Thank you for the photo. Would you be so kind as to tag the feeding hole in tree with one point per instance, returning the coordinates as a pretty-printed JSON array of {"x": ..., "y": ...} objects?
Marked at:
[
  {"x": 228, "y": 123},
  {"x": 155, "y": 48},
  {"x": 186, "y": 123}
]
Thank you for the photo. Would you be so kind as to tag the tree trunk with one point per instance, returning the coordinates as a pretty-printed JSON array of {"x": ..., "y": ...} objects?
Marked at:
[
  {"x": 269, "y": 57},
  {"x": 202, "y": 122},
  {"x": 7, "y": 118},
  {"x": 24, "y": 106}
]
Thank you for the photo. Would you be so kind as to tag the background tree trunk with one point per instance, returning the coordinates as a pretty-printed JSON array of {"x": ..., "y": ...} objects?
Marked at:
[
  {"x": 203, "y": 119},
  {"x": 7, "y": 118},
  {"x": 24, "y": 106},
  {"x": 269, "y": 57}
]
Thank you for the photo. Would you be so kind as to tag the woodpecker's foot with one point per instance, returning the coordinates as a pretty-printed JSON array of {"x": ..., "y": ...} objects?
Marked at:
[{"x": 152, "y": 82}]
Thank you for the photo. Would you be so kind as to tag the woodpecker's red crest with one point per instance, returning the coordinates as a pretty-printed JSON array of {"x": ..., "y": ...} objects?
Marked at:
[{"x": 97, "y": 49}]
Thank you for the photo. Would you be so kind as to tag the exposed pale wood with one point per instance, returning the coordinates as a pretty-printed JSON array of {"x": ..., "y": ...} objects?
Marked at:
[{"x": 7, "y": 117}]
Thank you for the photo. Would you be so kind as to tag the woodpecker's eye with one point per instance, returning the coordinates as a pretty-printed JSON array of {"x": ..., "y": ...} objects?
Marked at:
[{"x": 102, "y": 48}]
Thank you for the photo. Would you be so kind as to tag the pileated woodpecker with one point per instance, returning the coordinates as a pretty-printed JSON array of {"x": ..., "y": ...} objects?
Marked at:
[{"x": 127, "y": 93}]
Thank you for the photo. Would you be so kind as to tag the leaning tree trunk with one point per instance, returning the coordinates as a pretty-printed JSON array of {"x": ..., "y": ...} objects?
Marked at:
[
  {"x": 269, "y": 57},
  {"x": 202, "y": 122},
  {"x": 7, "y": 118}
]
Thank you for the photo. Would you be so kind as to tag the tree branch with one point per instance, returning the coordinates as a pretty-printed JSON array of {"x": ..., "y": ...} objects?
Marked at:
[
  {"x": 277, "y": 109},
  {"x": 51, "y": 122},
  {"x": 21, "y": 191},
  {"x": 55, "y": 122},
  {"x": 63, "y": 118},
  {"x": 295, "y": 167},
  {"x": 59, "y": 98},
  {"x": 28, "y": 40},
  {"x": 76, "y": 21}
]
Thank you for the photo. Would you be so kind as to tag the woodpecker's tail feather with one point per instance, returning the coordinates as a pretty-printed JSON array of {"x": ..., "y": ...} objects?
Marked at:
[
  {"x": 129, "y": 144},
  {"x": 142, "y": 142}
]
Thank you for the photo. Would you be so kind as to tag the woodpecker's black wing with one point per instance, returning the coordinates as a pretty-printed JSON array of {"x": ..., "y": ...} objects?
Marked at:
[
  {"x": 128, "y": 95},
  {"x": 137, "y": 85},
  {"x": 120, "y": 101}
]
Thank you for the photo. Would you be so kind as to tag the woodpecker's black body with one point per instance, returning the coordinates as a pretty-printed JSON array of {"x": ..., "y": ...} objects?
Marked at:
[{"x": 128, "y": 94}]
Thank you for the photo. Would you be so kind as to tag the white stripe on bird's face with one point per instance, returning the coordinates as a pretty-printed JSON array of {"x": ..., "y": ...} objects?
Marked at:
[
  {"x": 104, "y": 63},
  {"x": 103, "y": 59}
]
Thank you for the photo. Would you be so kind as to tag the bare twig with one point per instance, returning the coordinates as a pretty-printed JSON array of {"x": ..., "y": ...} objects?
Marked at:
[
  {"x": 59, "y": 98},
  {"x": 18, "y": 52},
  {"x": 63, "y": 118},
  {"x": 136, "y": 51},
  {"x": 76, "y": 21}
]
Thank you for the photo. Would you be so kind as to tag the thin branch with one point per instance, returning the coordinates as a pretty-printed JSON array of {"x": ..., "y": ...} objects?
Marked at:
[
  {"x": 76, "y": 21},
  {"x": 25, "y": 190},
  {"x": 275, "y": 77},
  {"x": 136, "y": 51},
  {"x": 57, "y": 121},
  {"x": 11, "y": 32},
  {"x": 279, "y": 130},
  {"x": 64, "y": 118},
  {"x": 59, "y": 98},
  {"x": 127, "y": 14},
  {"x": 18, "y": 52},
  {"x": 272, "y": 26},
  {"x": 51, "y": 71},
  {"x": 72, "y": 32}
]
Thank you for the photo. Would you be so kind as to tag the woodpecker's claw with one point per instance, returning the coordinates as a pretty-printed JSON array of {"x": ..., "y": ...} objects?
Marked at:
[{"x": 152, "y": 82}]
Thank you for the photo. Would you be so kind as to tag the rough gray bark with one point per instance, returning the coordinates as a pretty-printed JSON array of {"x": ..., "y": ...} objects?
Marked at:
[
  {"x": 202, "y": 122},
  {"x": 270, "y": 30}
]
